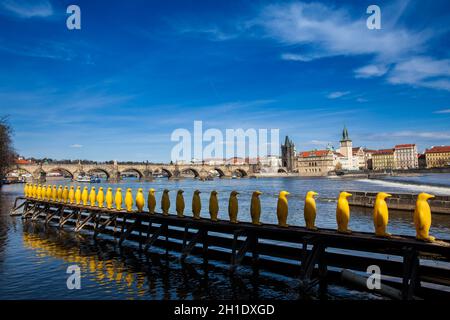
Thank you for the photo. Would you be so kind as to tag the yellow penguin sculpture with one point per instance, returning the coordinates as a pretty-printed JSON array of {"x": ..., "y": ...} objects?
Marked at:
[
  {"x": 165, "y": 202},
  {"x": 196, "y": 204},
  {"x": 59, "y": 194},
  {"x": 71, "y": 195},
  {"x": 54, "y": 193},
  {"x": 310, "y": 210},
  {"x": 78, "y": 195},
  {"x": 100, "y": 198},
  {"x": 381, "y": 215},
  {"x": 282, "y": 209},
  {"x": 65, "y": 194},
  {"x": 255, "y": 207},
  {"x": 85, "y": 196},
  {"x": 49, "y": 192},
  {"x": 233, "y": 207},
  {"x": 31, "y": 190},
  {"x": 213, "y": 205},
  {"x": 151, "y": 201},
  {"x": 179, "y": 204},
  {"x": 43, "y": 191},
  {"x": 343, "y": 213},
  {"x": 422, "y": 217},
  {"x": 92, "y": 197},
  {"x": 109, "y": 198},
  {"x": 39, "y": 190},
  {"x": 140, "y": 201},
  {"x": 35, "y": 191},
  {"x": 129, "y": 200},
  {"x": 118, "y": 199}
]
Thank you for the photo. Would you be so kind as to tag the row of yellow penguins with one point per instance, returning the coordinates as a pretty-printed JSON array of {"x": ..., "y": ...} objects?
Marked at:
[{"x": 422, "y": 212}]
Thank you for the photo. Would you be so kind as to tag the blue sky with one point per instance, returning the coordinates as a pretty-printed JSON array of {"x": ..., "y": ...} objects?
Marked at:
[{"x": 137, "y": 70}]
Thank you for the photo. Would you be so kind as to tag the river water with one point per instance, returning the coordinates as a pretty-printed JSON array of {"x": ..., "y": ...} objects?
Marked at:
[{"x": 34, "y": 259}]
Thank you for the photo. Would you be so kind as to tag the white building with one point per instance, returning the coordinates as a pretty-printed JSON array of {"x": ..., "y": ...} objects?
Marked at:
[
  {"x": 405, "y": 156},
  {"x": 348, "y": 159}
]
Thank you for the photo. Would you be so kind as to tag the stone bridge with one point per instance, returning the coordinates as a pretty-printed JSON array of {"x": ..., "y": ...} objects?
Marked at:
[{"x": 144, "y": 171}]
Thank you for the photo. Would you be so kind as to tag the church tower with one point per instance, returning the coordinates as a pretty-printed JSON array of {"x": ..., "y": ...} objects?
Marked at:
[
  {"x": 346, "y": 148},
  {"x": 288, "y": 155}
]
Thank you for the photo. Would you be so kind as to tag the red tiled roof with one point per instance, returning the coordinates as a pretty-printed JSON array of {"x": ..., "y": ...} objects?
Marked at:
[
  {"x": 438, "y": 149},
  {"x": 400, "y": 146},
  {"x": 22, "y": 161},
  {"x": 384, "y": 151},
  {"x": 314, "y": 153}
]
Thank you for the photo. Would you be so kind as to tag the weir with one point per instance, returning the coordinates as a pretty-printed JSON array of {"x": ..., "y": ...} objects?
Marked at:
[
  {"x": 416, "y": 268},
  {"x": 399, "y": 201}
]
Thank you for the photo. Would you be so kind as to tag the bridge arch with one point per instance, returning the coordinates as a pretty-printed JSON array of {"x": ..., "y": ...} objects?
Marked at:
[
  {"x": 220, "y": 172},
  {"x": 131, "y": 169},
  {"x": 167, "y": 171},
  {"x": 240, "y": 172},
  {"x": 282, "y": 170},
  {"x": 18, "y": 169},
  {"x": 61, "y": 170},
  {"x": 192, "y": 170},
  {"x": 97, "y": 170}
]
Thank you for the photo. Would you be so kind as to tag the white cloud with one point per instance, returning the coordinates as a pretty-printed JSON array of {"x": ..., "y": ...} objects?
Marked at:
[
  {"x": 326, "y": 31},
  {"x": 426, "y": 135},
  {"x": 444, "y": 111},
  {"x": 27, "y": 8},
  {"x": 370, "y": 71},
  {"x": 319, "y": 142},
  {"x": 422, "y": 72},
  {"x": 337, "y": 94},
  {"x": 331, "y": 32},
  {"x": 76, "y": 146},
  {"x": 299, "y": 57}
]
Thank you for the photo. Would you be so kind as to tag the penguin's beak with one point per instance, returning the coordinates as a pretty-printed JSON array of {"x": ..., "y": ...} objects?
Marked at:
[{"x": 388, "y": 195}]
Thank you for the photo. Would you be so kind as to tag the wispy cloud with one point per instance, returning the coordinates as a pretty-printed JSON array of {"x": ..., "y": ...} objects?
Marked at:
[
  {"x": 443, "y": 111},
  {"x": 332, "y": 31},
  {"x": 326, "y": 31},
  {"x": 337, "y": 94},
  {"x": 76, "y": 146},
  {"x": 299, "y": 57},
  {"x": 370, "y": 71},
  {"x": 426, "y": 135},
  {"x": 28, "y": 8},
  {"x": 423, "y": 72},
  {"x": 212, "y": 33}
]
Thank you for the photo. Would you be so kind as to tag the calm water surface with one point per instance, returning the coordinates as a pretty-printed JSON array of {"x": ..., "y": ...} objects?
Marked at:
[{"x": 34, "y": 259}]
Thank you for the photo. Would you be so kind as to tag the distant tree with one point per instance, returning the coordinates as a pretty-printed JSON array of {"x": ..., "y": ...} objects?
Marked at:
[{"x": 7, "y": 154}]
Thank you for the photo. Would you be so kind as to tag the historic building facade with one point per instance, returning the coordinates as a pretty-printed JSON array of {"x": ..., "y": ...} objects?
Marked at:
[
  {"x": 316, "y": 162},
  {"x": 288, "y": 156},
  {"x": 406, "y": 156},
  {"x": 437, "y": 157},
  {"x": 383, "y": 159}
]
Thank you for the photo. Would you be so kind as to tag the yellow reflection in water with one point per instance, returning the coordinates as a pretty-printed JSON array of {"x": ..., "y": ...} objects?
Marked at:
[{"x": 100, "y": 271}]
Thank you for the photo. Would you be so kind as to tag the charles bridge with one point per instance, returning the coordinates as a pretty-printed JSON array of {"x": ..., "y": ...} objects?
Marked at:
[{"x": 146, "y": 171}]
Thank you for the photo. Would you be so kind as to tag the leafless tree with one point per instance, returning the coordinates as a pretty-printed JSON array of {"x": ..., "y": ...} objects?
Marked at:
[{"x": 7, "y": 153}]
